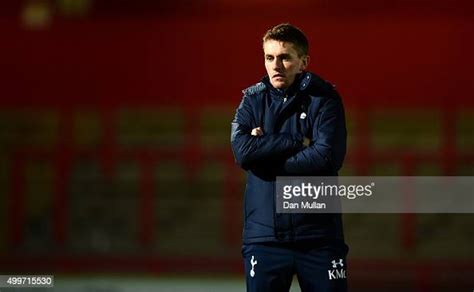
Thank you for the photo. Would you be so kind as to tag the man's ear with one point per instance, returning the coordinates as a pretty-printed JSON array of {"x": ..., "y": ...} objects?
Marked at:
[{"x": 304, "y": 62}]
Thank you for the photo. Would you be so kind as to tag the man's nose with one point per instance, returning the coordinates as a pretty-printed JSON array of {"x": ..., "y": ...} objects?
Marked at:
[{"x": 277, "y": 64}]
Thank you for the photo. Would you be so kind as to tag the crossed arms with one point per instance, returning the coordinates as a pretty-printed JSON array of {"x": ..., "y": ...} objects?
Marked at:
[{"x": 252, "y": 147}]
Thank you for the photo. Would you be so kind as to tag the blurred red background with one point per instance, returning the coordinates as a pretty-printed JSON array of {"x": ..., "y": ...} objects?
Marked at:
[{"x": 398, "y": 65}]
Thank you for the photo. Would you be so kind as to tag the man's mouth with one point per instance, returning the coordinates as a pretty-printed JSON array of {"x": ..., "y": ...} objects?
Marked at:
[{"x": 278, "y": 76}]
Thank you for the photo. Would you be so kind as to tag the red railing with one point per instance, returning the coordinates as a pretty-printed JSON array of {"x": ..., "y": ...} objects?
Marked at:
[{"x": 361, "y": 157}]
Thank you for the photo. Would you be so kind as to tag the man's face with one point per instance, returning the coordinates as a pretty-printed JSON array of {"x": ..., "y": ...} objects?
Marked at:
[{"x": 282, "y": 63}]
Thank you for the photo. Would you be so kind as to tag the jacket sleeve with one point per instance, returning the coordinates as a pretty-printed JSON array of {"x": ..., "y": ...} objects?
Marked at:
[
  {"x": 328, "y": 147},
  {"x": 249, "y": 149}
]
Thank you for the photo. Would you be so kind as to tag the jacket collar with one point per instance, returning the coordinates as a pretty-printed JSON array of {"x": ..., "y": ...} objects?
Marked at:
[
  {"x": 304, "y": 82},
  {"x": 291, "y": 91}
]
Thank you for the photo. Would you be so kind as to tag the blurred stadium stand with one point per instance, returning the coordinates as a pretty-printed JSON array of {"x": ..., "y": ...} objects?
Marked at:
[{"x": 114, "y": 131}]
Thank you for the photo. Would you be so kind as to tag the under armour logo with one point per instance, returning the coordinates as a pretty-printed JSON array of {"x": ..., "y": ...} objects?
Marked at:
[
  {"x": 334, "y": 263},
  {"x": 253, "y": 262}
]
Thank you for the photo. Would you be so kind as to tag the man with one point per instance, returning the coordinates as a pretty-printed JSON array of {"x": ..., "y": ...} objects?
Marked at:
[{"x": 291, "y": 123}]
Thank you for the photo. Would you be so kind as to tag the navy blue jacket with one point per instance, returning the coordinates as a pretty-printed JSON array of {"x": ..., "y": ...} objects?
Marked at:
[{"x": 310, "y": 108}]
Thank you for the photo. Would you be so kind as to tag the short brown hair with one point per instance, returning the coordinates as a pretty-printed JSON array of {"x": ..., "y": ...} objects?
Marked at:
[{"x": 285, "y": 32}]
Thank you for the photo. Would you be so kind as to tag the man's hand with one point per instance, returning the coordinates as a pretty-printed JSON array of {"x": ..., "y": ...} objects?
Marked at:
[
  {"x": 306, "y": 142},
  {"x": 257, "y": 132}
]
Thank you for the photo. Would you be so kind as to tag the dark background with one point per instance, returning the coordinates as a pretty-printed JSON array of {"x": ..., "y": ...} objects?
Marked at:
[{"x": 115, "y": 120}]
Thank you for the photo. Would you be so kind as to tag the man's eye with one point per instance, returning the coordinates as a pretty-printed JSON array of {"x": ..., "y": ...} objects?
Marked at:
[{"x": 268, "y": 58}]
